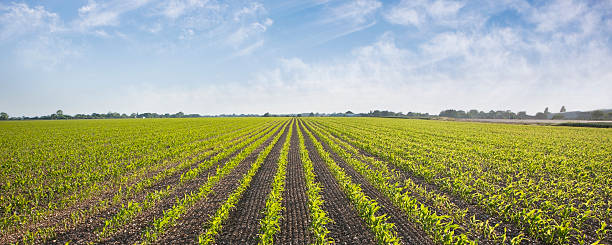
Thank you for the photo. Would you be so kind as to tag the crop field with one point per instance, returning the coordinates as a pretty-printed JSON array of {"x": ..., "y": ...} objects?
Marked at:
[{"x": 303, "y": 181}]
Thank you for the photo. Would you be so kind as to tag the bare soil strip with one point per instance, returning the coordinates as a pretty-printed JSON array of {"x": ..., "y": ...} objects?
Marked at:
[
  {"x": 242, "y": 225},
  {"x": 295, "y": 224},
  {"x": 191, "y": 223},
  {"x": 348, "y": 228},
  {"x": 473, "y": 209},
  {"x": 405, "y": 228}
]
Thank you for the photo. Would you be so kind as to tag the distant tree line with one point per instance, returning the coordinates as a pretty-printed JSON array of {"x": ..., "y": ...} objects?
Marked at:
[
  {"x": 471, "y": 114},
  {"x": 59, "y": 114},
  {"x": 546, "y": 114},
  {"x": 374, "y": 113},
  {"x": 484, "y": 115},
  {"x": 379, "y": 113}
]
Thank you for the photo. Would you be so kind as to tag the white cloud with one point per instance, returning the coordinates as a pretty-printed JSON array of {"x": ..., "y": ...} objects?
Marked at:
[
  {"x": 424, "y": 12},
  {"x": 497, "y": 68},
  {"x": 47, "y": 52},
  {"x": 558, "y": 14},
  {"x": 404, "y": 15},
  {"x": 488, "y": 70},
  {"x": 176, "y": 8},
  {"x": 442, "y": 8},
  {"x": 566, "y": 58},
  {"x": 19, "y": 19},
  {"x": 249, "y": 49},
  {"x": 35, "y": 36},
  {"x": 254, "y": 9},
  {"x": 96, "y": 14},
  {"x": 355, "y": 12},
  {"x": 249, "y": 32},
  {"x": 339, "y": 20}
]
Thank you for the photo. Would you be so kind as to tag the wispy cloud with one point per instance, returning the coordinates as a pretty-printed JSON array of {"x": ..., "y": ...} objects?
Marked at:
[
  {"x": 421, "y": 12},
  {"x": 47, "y": 52},
  {"x": 437, "y": 54},
  {"x": 247, "y": 32},
  {"x": 491, "y": 70},
  {"x": 176, "y": 8},
  {"x": 356, "y": 12},
  {"x": 18, "y": 19},
  {"x": 345, "y": 18},
  {"x": 558, "y": 14},
  {"x": 254, "y": 9},
  {"x": 517, "y": 67},
  {"x": 347, "y": 32},
  {"x": 96, "y": 14},
  {"x": 249, "y": 49},
  {"x": 238, "y": 26}
]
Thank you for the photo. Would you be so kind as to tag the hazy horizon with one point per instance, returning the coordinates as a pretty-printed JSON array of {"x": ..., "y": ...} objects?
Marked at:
[{"x": 253, "y": 57}]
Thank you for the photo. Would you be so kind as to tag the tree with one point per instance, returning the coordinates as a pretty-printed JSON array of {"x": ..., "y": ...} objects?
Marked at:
[
  {"x": 558, "y": 116},
  {"x": 472, "y": 113},
  {"x": 349, "y": 112},
  {"x": 4, "y": 116},
  {"x": 562, "y": 109},
  {"x": 546, "y": 110},
  {"x": 448, "y": 113},
  {"x": 597, "y": 114},
  {"x": 59, "y": 113},
  {"x": 311, "y": 114},
  {"x": 522, "y": 114},
  {"x": 267, "y": 114}
]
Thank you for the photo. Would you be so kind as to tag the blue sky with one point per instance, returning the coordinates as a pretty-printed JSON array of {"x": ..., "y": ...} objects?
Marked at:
[{"x": 213, "y": 57}]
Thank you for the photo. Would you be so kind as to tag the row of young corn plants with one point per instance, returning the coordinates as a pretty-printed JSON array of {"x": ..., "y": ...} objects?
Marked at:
[
  {"x": 318, "y": 217},
  {"x": 367, "y": 207},
  {"x": 500, "y": 186},
  {"x": 520, "y": 202},
  {"x": 103, "y": 182},
  {"x": 215, "y": 224},
  {"x": 130, "y": 209},
  {"x": 61, "y": 169},
  {"x": 440, "y": 227},
  {"x": 74, "y": 217},
  {"x": 171, "y": 215},
  {"x": 470, "y": 226},
  {"x": 457, "y": 188},
  {"x": 575, "y": 162},
  {"x": 270, "y": 223}
]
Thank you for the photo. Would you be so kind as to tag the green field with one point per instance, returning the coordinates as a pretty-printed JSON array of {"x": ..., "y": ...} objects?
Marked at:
[{"x": 303, "y": 180}]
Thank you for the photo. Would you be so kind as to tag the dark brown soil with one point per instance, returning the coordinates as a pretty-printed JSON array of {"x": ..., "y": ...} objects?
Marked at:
[
  {"x": 295, "y": 224},
  {"x": 242, "y": 225},
  {"x": 193, "y": 221},
  {"x": 347, "y": 228},
  {"x": 405, "y": 228}
]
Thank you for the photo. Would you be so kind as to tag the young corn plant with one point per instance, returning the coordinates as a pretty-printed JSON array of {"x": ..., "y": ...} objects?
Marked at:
[
  {"x": 213, "y": 227},
  {"x": 318, "y": 217},
  {"x": 384, "y": 231},
  {"x": 171, "y": 215},
  {"x": 440, "y": 227},
  {"x": 270, "y": 224}
]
